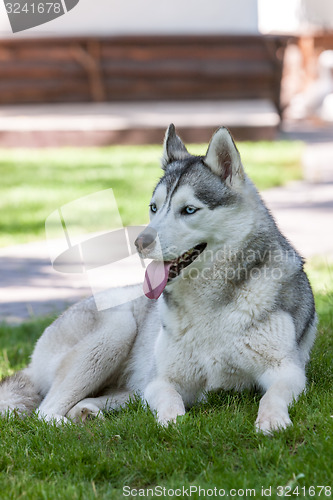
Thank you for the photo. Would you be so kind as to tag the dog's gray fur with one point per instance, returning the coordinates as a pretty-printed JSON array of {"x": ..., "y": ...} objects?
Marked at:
[{"x": 241, "y": 315}]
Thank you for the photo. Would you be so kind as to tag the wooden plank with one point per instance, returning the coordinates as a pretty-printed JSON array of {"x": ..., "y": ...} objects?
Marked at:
[
  {"x": 38, "y": 53},
  {"x": 122, "y": 89},
  {"x": 171, "y": 69},
  {"x": 134, "y": 40},
  {"x": 47, "y": 70},
  {"x": 156, "y": 53},
  {"x": 55, "y": 91}
]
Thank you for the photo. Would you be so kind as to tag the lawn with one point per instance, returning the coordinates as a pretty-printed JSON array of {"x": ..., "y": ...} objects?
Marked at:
[
  {"x": 127, "y": 454},
  {"x": 34, "y": 183},
  {"x": 214, "y": 445}
]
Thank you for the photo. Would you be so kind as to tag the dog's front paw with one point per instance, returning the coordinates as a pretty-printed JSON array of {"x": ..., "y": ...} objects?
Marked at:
[
  {"x": 169, "y": 415},
  {"x": 53, "y": 418},
  {"x": 83, "y": 411},
  {"x": 7, "y": 410},
  {"x": 270, "y": 420},
  {"x": 165, "y": 401}
]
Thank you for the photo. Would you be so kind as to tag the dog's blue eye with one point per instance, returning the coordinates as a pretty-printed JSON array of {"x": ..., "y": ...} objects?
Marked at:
[
  {"x": 189, "y": 210},
  {"x": 153, "y": 207}
]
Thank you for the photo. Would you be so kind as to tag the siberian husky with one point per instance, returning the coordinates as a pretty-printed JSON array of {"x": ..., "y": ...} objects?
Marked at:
[{"x": 227, "y": 306}]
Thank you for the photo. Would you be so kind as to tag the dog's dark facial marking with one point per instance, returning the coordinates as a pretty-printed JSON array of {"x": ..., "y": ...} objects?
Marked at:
[
  {"x": 207, "y": 186},
  {"x": 176, "y": 172},
  {"x": 212, "y": 197}
]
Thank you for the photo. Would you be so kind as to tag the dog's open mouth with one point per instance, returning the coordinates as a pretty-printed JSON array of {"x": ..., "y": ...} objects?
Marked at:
[
  {"x": 177, "y": 265},
  {"x": 159, "y": 273}
]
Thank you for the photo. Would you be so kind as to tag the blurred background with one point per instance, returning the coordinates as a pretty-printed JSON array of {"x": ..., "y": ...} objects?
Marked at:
[{"x": 249, "y": 64}]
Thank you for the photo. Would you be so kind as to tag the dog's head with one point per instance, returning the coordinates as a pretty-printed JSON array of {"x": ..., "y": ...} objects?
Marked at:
[{"x": 194, "y": 206}]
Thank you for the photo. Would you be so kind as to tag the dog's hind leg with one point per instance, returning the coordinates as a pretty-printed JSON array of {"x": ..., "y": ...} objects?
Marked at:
[
  {"x": 88, "y": 366},
  {"x": 18, "y": 394},
  {"x": 93, "y": 407}
]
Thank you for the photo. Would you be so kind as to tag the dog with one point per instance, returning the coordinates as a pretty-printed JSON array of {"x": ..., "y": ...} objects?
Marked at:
[{"x": 227, "y": 306}]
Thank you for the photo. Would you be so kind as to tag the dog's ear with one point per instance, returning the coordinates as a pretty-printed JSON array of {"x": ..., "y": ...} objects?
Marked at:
[
  {"x": 223, "y": 158},
  {"x": 174, "y": 148}
]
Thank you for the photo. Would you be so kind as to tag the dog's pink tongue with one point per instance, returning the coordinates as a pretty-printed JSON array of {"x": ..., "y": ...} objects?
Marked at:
[{"x": 156, "y": 278}]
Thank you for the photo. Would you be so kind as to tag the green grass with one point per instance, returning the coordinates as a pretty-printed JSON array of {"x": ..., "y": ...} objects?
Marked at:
[
  {"x": 214, "y": 445},
  {"x": 34, "y": 183}
]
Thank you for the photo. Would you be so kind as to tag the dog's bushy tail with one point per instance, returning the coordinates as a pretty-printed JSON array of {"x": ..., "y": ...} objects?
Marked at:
[{"x": 18, "y": 394}]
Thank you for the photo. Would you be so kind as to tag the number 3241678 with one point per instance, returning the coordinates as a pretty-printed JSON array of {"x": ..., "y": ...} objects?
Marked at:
[
  {"x": 311, "y": 491},
  {"x": 34, "y": 8}
]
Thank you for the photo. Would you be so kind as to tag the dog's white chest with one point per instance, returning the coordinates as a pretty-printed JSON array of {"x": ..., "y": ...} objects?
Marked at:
[{"x": 201, "y": 351}]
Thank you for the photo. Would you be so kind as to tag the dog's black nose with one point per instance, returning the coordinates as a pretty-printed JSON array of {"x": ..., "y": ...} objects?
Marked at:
[{"x": 146, "y": 239}]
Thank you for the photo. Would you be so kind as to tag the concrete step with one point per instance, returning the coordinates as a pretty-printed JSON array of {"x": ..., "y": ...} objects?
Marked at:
[{"x": 133, "y": 123}]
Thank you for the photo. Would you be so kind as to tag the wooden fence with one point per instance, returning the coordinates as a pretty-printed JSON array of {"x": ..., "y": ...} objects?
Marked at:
[{"x": 140, "y": 68}]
